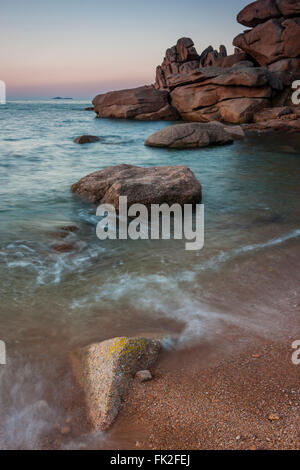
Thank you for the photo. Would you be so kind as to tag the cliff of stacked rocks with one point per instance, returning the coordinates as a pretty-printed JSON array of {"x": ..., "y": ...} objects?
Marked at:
[{"x": 215, "y": 86}]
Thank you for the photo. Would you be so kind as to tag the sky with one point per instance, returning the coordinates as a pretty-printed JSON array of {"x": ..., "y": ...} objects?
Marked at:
[{"x": 79, "y": 48}]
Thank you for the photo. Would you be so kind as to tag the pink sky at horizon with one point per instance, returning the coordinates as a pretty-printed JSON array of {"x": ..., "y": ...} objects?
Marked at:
[{"x": 78, "y": 49}]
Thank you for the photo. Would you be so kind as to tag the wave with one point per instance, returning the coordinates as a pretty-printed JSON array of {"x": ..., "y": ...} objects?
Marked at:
[{"x": 167, "y": 294}]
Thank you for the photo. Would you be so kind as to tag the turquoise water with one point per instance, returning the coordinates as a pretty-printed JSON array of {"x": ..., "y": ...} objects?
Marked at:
[{"x": 52, "y": 302}]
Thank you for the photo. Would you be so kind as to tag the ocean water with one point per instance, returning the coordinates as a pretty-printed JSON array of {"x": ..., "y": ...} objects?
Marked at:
[{"x": 54, "y": 302}]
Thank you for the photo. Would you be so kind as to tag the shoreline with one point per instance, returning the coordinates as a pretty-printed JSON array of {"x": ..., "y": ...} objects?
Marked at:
[
  {"x": 246, "y": 401},
  {"x": 237, "y": 391}
]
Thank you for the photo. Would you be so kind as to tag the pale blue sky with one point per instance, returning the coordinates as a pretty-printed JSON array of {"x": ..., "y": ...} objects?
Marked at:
[{"x": 82, "y": 47}]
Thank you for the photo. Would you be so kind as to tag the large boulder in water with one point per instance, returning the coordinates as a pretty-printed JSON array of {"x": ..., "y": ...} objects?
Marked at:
[
  {"x": 190, "y": 135},
  {"x": 155, "y": 185},
  {"x": 104, "y": 371},
  {"x": 142, "y": 103}
]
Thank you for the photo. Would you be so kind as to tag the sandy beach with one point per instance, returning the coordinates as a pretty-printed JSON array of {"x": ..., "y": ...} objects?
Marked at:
[
  {"x": 249, "y": 401},
  {"x": 239, "y": 392}
]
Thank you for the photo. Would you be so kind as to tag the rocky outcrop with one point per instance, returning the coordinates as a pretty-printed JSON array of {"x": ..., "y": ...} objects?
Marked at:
[
  {"x": 273, "y": 41},
  {"x": 190, "y": 135},
  {"x": 105, "y": 370},
  {"x": 229, "y": 95},
  {"x": 264, "y": 10},
  {"x": 276, "y": 39},
  {"x": 275, "y": 35},
  {"x": 183, "y": 60},
  {"x": 228, "y": 88},
  {"x": 86, "y": 139},
  {"x": 272, "y": 113},
  {"x": 213, "y": 85},
  {"x": 287, "y": 123},
  {"x": 143, "y": 103},
  {"x": 155, "y": 185}
]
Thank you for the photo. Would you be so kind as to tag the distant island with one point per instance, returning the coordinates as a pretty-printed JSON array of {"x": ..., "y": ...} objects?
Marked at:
[{"x": 61, "y": 98}]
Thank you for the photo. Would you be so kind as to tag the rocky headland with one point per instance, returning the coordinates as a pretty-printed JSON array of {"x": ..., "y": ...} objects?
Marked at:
[{"x": 239, "y": 88}]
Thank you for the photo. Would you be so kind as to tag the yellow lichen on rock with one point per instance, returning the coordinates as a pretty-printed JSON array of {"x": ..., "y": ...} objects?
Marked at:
[{"x": 105, "y": 370}]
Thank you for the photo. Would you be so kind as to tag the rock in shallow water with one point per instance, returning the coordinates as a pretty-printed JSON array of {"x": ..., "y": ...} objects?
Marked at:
[
  {"x": 155, "y": 185},
  {"x": 86, "y": 139},
  {"x": 105, "y": 370},
  {"x": 65, "y": 248},
  {"x": 190, "y": 135},
  {"x": 143, "y": 103}
]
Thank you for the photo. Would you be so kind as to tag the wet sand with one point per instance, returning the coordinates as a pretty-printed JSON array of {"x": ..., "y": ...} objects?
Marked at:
[
  {"x": 233, "y": 387},
  {"x": 239, "y": 391},
  {"x": 249, "y": 401}
]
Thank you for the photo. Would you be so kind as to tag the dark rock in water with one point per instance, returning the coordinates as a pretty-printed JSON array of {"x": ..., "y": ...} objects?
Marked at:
[
  {"x": 271, "y": 219},
  {"x": 66, "y": 248},
  {"x": 190, "y": 135},
  {"x": 144, "y": 103},
  {"x": 105, "y": 371},
  {"x": 155, "y": 185},
  {"x": 89, "y": 108},
  {"x": 69, "y": 228},
  {"x": 86, "y": 139}
]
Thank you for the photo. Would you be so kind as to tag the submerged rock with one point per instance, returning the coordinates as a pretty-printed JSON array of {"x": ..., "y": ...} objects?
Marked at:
[
  {"x": 155, "y": 185},
  {"x": 86, "y": 139},
  {"x": 69, "y": 228},
  {"x": 65, "y": 248},
  {"x": 105, "y": 370},
  {"x": 190, "y": 135}
]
